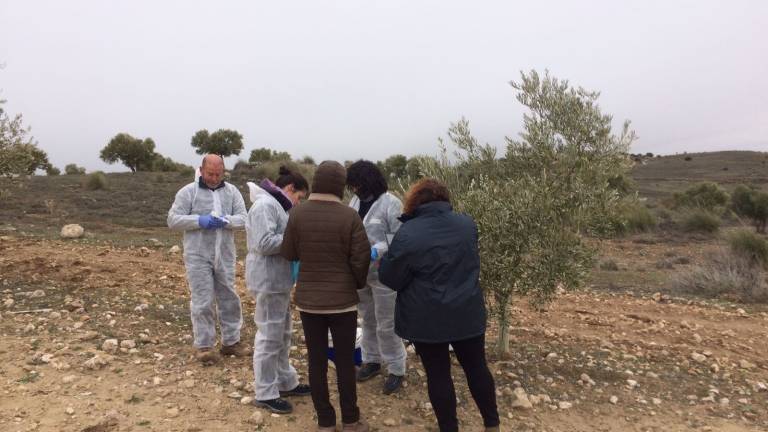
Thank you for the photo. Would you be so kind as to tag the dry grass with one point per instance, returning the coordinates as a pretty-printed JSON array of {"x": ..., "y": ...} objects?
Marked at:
[{"x": 727, "y": 275}]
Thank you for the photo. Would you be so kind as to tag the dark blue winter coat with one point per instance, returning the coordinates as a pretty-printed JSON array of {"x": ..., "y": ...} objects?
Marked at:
[{"x": 434, "y": 265}]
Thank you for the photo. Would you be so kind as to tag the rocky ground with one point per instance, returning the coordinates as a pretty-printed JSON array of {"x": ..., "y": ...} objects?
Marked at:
[{"x": 97, "y": 338}]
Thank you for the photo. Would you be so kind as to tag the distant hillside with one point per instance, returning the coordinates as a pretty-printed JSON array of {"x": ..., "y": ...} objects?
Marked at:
[
  {"x": 661, "y": 176},
  {"x": 726, "y": 167},
  {"x": 141, "y": 200}
]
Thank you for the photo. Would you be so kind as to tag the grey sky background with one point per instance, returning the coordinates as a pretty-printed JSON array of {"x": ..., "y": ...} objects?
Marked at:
[{"x": 368, "y": 79}]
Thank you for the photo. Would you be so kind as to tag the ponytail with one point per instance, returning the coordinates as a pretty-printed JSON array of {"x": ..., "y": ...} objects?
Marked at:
[{"x": 287, "y": 177}]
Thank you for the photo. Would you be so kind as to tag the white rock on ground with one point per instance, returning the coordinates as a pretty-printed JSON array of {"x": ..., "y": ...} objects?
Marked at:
[
  {"x": 109, "y": 345},
  {"x": 586, "y": 379},
  {"x": 698, "y": 358},
  {"x": 97, "y": 361},
  {"x": 72, "y": 231},
  {"x": 520, "y": 399},
  {"x": 745, "y": 364},
  {"x": 257, "y": 418}
]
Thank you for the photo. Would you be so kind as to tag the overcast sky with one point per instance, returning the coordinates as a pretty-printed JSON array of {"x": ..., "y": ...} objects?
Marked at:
[{"x": 350, "y": 79}]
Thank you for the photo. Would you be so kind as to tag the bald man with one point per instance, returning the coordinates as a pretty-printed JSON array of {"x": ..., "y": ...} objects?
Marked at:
[{"x": 208, "y": 211}]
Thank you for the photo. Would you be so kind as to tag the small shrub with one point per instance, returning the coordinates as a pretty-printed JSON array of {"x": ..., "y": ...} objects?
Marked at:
[
  {"x": 725, "y": 274},
  {"x": 750, "y": 246},
  {"x": 187, "y": 171},
  {"x": 681, "y": 260},
  {"x": 95, "y": 181},
  {"x": 707, "y": 195},
  {"x": 688, "y": 158},
  {"x": 638, "y": 218},
  {"x": 622, "y": 183},
  {"x": 52, "y": 171},
  {"x": 752, "y": 204},
  {"x": 664, "y": 264},
  {"x": 72, "y": 169},
  {"x": 700, "y": 221}
]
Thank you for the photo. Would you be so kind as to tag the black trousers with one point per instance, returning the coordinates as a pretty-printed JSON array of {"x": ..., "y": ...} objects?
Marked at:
[
  {"x": 343, "y": 328},
  {"x": 437, "y": 363}
]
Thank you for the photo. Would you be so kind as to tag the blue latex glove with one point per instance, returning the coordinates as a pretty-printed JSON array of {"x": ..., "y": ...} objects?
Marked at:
[
  {"x": 295, "y": 270},
  {"x": 210, "y": 222},
  {"x": 374, "y": 254}
]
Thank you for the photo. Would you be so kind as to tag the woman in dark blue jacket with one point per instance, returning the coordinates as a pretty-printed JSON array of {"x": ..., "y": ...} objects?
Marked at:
[{"x": 434, "y": 265}]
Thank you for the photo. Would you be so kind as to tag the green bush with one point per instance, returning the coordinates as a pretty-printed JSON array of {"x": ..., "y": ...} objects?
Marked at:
[
  {"x": 72, "y": 169},
  {"x": 638, "y": 218},
  {"x": 187, "y": 171},
  {"x": 622, "y": 183},
  {"x": 95, "y": 181},
  {"x": 752, "y": 204},
  {"x": 700, "y": 221},
  {"x": 52, "y": 171},
  {"x": 749, "y": 245},
  {"x": 709, "y": 196},
  {"x": 244, "y": 171},
  {"x": 166, "y": 164}
]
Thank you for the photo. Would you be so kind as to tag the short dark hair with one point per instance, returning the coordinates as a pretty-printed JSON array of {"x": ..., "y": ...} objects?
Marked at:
[
  {"x": 367, "y": 178},
  {"x": 287, "y": 177},
  {"x": 425, "y": 191}
]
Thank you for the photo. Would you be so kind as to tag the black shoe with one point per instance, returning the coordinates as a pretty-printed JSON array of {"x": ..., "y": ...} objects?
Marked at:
[
  {"x": 368, "y": 371},
  {"x": 392, "y": 383},
  {"x": 277, "y": 406},
  {"x": 299, "y": 390}
]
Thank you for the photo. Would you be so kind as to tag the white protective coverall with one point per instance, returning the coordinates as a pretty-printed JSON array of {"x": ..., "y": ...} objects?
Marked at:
[
  {"x": 268, "y": 278},
  {"x": 209, "y": 256},
  {"x": 377, "y": 302}
]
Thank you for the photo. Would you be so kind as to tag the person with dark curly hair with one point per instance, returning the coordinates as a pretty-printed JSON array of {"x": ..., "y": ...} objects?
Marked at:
[
  {"x": 379, "y": 211},
  {"x": 434, "y": 265}
]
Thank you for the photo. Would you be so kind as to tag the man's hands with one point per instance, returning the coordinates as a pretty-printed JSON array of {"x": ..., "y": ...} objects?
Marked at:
[{"x": 211, "y": 222}]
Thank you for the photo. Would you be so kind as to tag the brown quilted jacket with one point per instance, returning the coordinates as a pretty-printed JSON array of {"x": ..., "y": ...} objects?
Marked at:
[{"x": 329, "y": 240}]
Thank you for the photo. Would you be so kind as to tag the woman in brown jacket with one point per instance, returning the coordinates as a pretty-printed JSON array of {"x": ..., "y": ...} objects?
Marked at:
[{"x": 329, "y": 240}]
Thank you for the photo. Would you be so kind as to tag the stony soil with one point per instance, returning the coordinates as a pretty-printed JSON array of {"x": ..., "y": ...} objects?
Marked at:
[{"x": 97, "y": 338}]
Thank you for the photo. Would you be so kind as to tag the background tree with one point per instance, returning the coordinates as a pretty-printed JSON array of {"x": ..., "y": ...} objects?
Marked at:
[
  {"x": 224, "y": 142},
  {"x": 394, "y": 167},
  {"x": 73, "y": 169},
  {"x": 261, "y": 155},
  {"x": 52, "y": 171},
  {"x": 19, "y": 153},
  {"x": 136, "y": 154},
  {"x": 535, "y": 207}
]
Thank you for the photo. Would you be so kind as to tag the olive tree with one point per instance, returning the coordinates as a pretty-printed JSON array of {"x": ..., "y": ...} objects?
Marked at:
[
  {"x": 536, "y": 206},
  {"x": 135, "y": 153},
  {"x": 19, "y": 153},
  {"x": 224, "y": 142}
]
